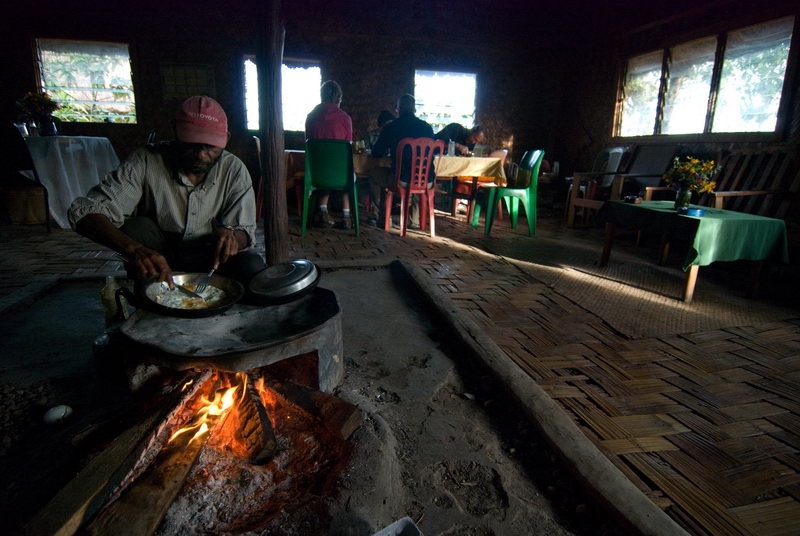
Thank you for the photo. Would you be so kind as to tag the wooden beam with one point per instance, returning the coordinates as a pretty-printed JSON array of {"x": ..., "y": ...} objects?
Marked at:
[{"x": 269, "y": 59}]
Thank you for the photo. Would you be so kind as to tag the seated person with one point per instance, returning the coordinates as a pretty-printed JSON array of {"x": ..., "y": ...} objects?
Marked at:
[
  {"x": 372, "y": 136},
  {"x": 328, "y": 121},
  {"x": 186, "y": 205},
  {"x": 407, "y": 125},
  {"x": 464, "y": 138}
]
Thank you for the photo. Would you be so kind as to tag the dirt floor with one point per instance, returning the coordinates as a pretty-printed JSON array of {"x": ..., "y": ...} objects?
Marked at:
[{"x": 440, "y": 442}]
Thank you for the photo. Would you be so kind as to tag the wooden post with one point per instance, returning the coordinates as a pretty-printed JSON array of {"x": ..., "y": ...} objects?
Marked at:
[
  {"x": 269, "y": 58},
  {"x": 608, "y": 243}
]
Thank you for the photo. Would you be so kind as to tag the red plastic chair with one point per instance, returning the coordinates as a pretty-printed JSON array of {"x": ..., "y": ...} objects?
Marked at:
[{"x": 421, "y": 153}]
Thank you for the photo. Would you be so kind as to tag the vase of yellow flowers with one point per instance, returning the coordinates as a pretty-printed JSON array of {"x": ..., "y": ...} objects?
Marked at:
[
  {"x": 689, "y": 176},
  {"x": 39, "y": 107}
]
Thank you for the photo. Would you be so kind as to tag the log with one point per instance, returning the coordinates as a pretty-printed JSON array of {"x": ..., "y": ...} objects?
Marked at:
[
  {"x": 337, "y": 415},
  {"x": 141, "y": 507},
  {"x": 85, "y": 494},
  {"x": 262, "y": 439}
]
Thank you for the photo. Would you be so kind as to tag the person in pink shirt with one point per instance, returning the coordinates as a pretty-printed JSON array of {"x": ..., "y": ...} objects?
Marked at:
[{"x": 328, "y": 121}]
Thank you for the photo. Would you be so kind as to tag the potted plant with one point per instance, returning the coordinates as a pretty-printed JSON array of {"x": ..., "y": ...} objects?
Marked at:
[{"x": 39, "y": 107}]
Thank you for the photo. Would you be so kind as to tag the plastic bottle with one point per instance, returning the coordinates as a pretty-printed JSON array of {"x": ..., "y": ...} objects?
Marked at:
[
  {"x": 451, "y": 149},
  {"x": 107, "y": 298}
]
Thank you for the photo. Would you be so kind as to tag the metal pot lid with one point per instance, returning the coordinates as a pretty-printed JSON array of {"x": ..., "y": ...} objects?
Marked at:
[{"x": 284, "y": 279}]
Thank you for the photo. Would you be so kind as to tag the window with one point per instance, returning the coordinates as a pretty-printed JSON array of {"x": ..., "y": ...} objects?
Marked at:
[
  {"x": 300, "y": 82},
  {"x": 752, "y": 77},
  {"x": 443, "y": 98},
  {"x": 686, "y": 100},
  {"x": 674, "y": 91},
  {"x": 90, "y": 80}
]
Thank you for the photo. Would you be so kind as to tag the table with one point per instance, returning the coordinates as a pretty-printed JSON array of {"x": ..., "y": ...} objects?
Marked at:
[
  {"x": 69, "y": 166},
  {"x": 487, "y": 169},
  {"x": 479, "y": 172},
  {"x": 718, "y": 235},
  {"x": 365, "y": 165}
]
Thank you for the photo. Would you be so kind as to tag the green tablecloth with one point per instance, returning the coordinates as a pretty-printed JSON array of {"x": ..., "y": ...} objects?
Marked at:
[{"x": 718, "y": 235}]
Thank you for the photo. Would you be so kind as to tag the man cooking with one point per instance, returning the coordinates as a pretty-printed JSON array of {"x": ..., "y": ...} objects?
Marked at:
[{"x": 186, "y": 205}]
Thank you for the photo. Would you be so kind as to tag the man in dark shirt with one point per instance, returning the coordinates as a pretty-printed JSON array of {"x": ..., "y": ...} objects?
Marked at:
[
  {"x": 465, "y": 138},
  {"x": 407, "y": 125}
]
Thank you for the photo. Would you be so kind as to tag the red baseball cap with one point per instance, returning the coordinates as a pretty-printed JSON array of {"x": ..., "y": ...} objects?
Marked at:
[{"x": 202, "y": 120}]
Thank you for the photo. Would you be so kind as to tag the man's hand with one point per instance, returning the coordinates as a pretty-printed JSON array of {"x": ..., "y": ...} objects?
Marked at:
[
  {"x": 146, "y": 262},
  {"x": 462, "y": 149},
  {"x": 227, "y": 246},
  {"x": 150, "y": 264}
]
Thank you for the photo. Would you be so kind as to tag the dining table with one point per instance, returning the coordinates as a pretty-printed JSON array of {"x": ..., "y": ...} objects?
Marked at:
[
  {"x": 68, "y": 166},
  {"x": 364, "y": 166},
  {"x": 485, "y": 169},
  {"x": 475, "y": 172},
  {"x": 713, "y": 235}
]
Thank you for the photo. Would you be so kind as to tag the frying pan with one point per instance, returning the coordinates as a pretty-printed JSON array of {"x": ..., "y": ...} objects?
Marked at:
[{"x": 147, "y": 295}]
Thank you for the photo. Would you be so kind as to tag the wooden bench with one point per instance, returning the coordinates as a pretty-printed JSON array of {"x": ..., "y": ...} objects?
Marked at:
[{"x": 762, "y": 182}]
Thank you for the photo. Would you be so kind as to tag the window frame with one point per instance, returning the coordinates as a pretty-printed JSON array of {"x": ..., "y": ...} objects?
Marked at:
[
  {"x": 454, "y": 118},
  {"x": 782, "y": 123},
  {"x": 40, "y": 82}
]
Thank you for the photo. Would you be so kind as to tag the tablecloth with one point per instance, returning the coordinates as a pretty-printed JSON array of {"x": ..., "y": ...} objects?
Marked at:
[
  {"x": 718, "y": 235},
  {"x": 69, "y": 166},
  {"x": 461, "y": 166}
]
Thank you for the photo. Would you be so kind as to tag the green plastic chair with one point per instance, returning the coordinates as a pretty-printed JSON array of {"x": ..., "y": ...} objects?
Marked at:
[
  {"x": 329, "y": 166},
  {"x": 520, "y": 188}
]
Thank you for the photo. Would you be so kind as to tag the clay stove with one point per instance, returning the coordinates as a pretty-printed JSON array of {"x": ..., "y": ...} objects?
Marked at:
[{"x": 245, "y": 337}]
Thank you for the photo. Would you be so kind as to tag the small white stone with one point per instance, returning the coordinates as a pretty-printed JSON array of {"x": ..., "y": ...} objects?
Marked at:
[{"x": 57, "y": 414}]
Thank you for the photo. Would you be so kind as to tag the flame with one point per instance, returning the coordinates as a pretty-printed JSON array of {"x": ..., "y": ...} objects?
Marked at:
[{"x": 211, "y": 409}]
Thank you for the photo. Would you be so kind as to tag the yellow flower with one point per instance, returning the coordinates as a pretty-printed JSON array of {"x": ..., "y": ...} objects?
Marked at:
[{"x": 692, "y": 174}]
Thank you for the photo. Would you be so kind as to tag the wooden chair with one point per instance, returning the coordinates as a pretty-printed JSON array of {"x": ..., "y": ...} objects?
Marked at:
[
  {"x": 521, "y": 190},
  {"x": 414, "y": 176},
  {"x": 647, "y": 166},
  {"x": 329, "y": 166},
  {"x": 605, "y": 167}
]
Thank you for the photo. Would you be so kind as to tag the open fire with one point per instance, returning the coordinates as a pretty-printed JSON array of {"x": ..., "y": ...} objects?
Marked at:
[
  {"x": 237, "y": 451},
  {"x": 247, "y": 398}
]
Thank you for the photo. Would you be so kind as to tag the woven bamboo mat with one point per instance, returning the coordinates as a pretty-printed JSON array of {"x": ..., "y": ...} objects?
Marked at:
[
  {"x": 634, "y": 295},
  {"x": 698, "y": 404}
]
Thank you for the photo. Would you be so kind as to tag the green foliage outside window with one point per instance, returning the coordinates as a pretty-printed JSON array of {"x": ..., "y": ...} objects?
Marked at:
[{"x": 91, "y": 81}]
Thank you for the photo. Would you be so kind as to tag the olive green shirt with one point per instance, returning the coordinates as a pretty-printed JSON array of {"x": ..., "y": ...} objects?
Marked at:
[{"x": 148, "y": 185}]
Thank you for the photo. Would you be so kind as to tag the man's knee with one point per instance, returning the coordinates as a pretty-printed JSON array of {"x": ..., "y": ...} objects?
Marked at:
[
  {"x": 243, "y": 266},
  {"x": 146, "y": 232}
]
